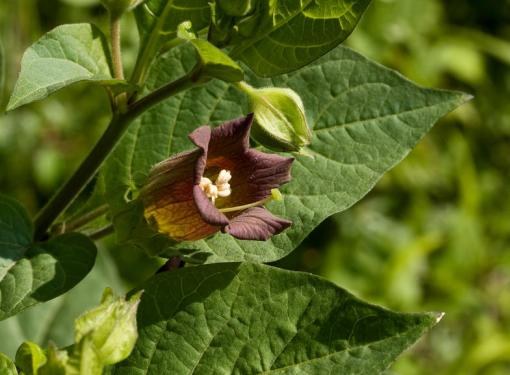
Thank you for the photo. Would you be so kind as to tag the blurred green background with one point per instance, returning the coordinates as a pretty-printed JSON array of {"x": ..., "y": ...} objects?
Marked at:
[{"x": 433, "y": 235}]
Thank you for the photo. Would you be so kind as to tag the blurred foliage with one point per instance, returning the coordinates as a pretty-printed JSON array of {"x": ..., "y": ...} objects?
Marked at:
[{"x": 433, "y": 235}]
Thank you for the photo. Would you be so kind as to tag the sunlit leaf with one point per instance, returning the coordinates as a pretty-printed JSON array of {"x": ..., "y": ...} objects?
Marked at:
[
  {"x": 215, "y": 63},
  {"x": 63, "y": 56},
  {"x": 255, "y": 319}
]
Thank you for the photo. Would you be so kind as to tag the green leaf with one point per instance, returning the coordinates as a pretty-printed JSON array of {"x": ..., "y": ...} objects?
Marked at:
[
  {"x": 54, "y": 320},
  {"x": 214, "y": 63},
  {"x": 255, "y": 319},
  {"x": 29, "y": 358},
  {"x": 365, "y": 119},
  {"x": 37, "y": 272},
  {"x": 7, "y": 366},
  {"x": 282, "y": 36},
  {"x": 63, "y": 56}
]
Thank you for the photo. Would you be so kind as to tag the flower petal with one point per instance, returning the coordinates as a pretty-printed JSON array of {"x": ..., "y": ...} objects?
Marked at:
[
  {"x": 208, "y": 211},
  {"x": 256, "y": 174},
  {"x": 226, "y": 140},
  {"x": 168, "y": 199},
  {"x": 256, "y": 224}
]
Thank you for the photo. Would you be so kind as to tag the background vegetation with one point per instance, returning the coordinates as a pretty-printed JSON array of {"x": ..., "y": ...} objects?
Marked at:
[{"x": 433, "y": 235}]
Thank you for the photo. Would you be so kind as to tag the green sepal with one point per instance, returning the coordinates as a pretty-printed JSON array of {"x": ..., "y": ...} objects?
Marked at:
[
  {"x": 110, "y": 328},
  {"x": 30, "y": 358},
  {"x": 280, "y": 121}
]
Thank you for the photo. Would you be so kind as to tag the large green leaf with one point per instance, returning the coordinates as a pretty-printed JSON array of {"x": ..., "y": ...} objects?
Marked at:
[
  {"x": 255, "y": 319},
  {"x": 366, "y": 119},
  {"x": 53, "y": 321},
  {"x": 287, "y": 35},
  {"x": 65, "y": 55},
  {"x": 37, "y": 272}
]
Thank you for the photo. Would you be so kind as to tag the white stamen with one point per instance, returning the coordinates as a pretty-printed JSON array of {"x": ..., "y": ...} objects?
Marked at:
[
  {"x": 220, "y": 189},
  {"x": 224, "y": 177},
  {"x": 222, "y": 182}
]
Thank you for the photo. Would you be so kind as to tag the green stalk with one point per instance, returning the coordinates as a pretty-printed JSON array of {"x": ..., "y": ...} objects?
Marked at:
[
  {"x": 74, "y": 224},
  {"x": 118, "y": 68},
  {"x": 149, "y": 48}
]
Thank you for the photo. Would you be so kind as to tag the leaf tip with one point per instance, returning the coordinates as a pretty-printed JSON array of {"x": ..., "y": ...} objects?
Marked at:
[
  {"x": 12, "y": 105},
  {"x": 439, "y": 316},
  {"x": 465, "y": 97}
]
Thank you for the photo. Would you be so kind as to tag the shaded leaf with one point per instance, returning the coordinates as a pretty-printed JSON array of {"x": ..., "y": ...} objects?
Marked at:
[
  {"x": 54, "y": 320},
  {"x": 255, "y": 319},
  {"x": 37, "y": 272},
  {"x": 365, "y": 119},
  {"x": 63, "y": 56},
  {"x": 282, "y": 36}
]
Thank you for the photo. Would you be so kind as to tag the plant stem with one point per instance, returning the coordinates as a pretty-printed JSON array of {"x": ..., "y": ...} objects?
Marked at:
[
  {"x": 82, "y": 220},
  {"x": 118, "y": 68},
  {"x": 103, "y": 232},
  {"x": 149, "y": 47},
  {"x": 189, "y": 80},
  {"x": 86, "y": 171},
  {"x": 68, "y": 192}
]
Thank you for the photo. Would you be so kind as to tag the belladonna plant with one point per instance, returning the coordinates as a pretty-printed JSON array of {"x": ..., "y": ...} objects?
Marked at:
[{"x": 340, "y": 121}]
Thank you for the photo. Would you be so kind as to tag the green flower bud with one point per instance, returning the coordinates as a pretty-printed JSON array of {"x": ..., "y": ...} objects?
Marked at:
[
  {"x": 119, "y": 7},
  {"x": 56, "y": 363},
  {"x": 237, "y": 8},
  {"x": 280, "y": 121},
  {"x": 30, "y": 357},
  {"x": 111, "y": 327}
]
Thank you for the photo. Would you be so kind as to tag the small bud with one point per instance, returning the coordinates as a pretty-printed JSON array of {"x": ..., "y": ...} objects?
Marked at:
[
  {"x": 276, "y": 195},
  {"x": 237, "y": 8},
  {"x": 111, "y": 327},
  {"x": 185, "y": 31},
  {"x": 30, "y": 357},
  {"x": 119, "y": 7},
  {"x": 280, "y": 121}
]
